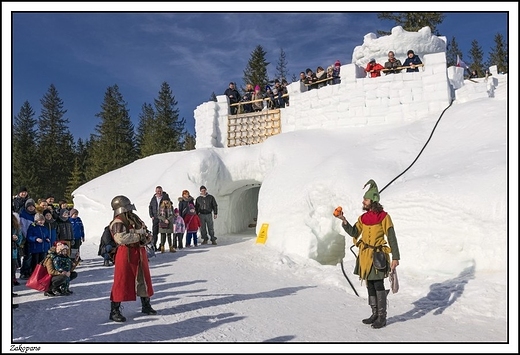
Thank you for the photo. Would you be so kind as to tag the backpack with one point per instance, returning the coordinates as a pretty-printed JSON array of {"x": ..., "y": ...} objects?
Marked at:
[{"x": 106, "y": 239}]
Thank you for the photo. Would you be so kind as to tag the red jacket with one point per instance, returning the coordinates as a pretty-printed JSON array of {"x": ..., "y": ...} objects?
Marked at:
[
  {"x": 192, "y": 222},
  {"x": 374, "y": 69}
]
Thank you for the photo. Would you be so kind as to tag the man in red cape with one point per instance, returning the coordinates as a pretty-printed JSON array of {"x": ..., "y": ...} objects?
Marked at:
[{"x": 131, "y": 272}]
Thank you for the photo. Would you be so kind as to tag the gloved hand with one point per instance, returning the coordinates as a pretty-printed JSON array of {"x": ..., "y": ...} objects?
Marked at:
[{"x": 141, "y": 231}]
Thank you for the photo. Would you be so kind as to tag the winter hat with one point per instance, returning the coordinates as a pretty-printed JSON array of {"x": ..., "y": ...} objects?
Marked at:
[
  {"x": 337, "y": 64},
  {"x": 372, "y": 193},
  {"x": 61, "y": 246},
  {"x": 372, "y": 60},
  {"x": 38, "y": 217},
  {"x": 73, "y": 211},
  {"x": 176, "y": 211},
  {"x": 46, "y": 212},
  {"x": 191, "y": 206},
  {"x": 257, "y": 88},
  {"x": 22, "y": 189},
  {"x": 62, "y": 212},
  {"x": 30, "y": 202},
  {"x": 410, "y": 51},
  {"x": 203, "y": 187}
]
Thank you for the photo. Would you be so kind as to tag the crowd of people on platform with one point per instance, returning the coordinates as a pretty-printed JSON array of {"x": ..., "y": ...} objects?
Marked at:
[
  {"x": 314, "y": 80},
  {"x": 254, "y": 99}
]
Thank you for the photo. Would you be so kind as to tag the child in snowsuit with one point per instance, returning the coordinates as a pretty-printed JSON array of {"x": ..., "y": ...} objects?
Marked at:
[{"x": 192, "y": 222}]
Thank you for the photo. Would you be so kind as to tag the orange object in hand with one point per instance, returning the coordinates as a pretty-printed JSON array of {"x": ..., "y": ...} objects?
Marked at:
[{"x": 338, "y": 211}]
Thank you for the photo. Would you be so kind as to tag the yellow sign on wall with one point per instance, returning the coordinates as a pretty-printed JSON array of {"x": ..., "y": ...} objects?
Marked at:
[{"x": 262, "y": 235}]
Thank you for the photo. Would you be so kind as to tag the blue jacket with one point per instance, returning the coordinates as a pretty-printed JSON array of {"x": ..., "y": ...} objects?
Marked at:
[
  {"x": 409, "y": 61},
  {"x": 53, "y": 230},
  {"x": 36, "y": 231},
  {"x": 26, "y": 218},
  {"x": 77, "y": 228}
]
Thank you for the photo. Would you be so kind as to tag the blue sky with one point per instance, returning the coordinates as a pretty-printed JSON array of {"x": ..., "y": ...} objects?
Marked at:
[{"x": 83, "y": 53}]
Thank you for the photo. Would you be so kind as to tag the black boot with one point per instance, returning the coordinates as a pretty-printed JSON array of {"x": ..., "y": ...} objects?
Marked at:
[
  {"x": 373, "y": 303},
  {"x": 115, "y": 312},
  {"x": 147, "y": 307},
  {"x": 105, "y": 263},
  {"x": 380, "y": 322}
]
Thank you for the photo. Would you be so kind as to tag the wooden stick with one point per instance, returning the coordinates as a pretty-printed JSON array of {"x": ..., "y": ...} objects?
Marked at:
[
  {"x": 399, "y": 68},
  {"x": 257, "y": 100},
  {"x": 322, "y": 81}
]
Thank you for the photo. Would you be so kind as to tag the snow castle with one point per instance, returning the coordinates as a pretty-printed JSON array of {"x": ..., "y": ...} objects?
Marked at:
[{"x": 358, "y": 100}]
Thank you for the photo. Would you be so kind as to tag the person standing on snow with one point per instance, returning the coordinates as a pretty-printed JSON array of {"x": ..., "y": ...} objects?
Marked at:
[
  {"x": 205, "y": 205},
  {"x": 131, "y": 271},
  {"x": 372, "y": 226}
]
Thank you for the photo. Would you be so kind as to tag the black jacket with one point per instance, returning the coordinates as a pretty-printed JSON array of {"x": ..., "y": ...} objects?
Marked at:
[
  {"x": 153, "y": 208},
  {"x": 206, "y": 204},
  {"x": 106, "y": 239},
  {"x": 183, "y": 205}
]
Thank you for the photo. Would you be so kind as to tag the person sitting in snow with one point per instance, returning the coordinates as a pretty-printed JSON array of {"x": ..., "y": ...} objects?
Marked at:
[{"x": 61, "y": 267}]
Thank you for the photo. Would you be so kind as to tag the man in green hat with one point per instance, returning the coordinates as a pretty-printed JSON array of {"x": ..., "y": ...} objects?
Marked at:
[{"x": 368, "y": 234}]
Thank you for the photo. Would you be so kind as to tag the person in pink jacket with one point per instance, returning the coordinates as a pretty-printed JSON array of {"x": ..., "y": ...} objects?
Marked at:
[{"x": 179, "y": 227}]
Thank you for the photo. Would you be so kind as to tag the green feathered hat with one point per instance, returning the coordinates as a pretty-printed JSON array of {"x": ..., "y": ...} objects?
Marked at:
[{"x": 372, "y": 193}]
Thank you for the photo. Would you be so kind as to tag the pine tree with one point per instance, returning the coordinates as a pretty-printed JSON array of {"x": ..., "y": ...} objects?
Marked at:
[
  {"x": 25, "y": 162},
  {"x": 281, "y": 67},
  {"x": 412, "y": 21},
  {"x": 55, "y": 145},
  {"x": 256, "y": 70},
  {"x": 82, "y": 154},
  {"x": 189, "y": 142},
  {"x": 75, "y": 181},
  {"x": 169, "y": 130},
  {"x": 145, "y": 131},
  {"x": 114, "y": 144},
  {"x": 476, "y": 55},
  {"x": 498, "y": 55},
  {"x": 452, "y": 52}
]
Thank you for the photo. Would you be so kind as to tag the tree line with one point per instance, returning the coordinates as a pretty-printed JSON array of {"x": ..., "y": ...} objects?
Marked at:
[{"x": 47, "y": 159}]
